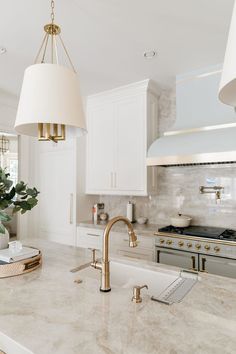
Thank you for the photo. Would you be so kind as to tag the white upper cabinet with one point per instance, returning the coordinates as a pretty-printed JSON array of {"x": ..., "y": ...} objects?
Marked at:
[{"x": 122, "y": 123}]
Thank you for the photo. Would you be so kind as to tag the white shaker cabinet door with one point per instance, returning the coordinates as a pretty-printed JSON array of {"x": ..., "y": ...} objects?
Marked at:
[
  {"x": 130, "y": 171},
  {"x": 57, "y": 185},
  {"x": 100, "y": 149}
]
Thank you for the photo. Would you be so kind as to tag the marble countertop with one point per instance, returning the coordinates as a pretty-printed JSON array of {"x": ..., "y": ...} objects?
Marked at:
[
  {"x": 146, "y": 229},
  {"x": 48, "y": 313}
]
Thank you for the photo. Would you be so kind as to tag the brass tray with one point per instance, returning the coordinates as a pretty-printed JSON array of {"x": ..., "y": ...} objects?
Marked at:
[{"x": 20, "y": 267}]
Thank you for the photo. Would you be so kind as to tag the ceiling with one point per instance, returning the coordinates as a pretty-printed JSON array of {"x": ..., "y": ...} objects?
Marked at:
[{"x": 106, "y": 38}]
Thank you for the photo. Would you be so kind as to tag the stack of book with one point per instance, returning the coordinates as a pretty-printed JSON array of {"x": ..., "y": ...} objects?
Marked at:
[{"x": 9, "y": 256}]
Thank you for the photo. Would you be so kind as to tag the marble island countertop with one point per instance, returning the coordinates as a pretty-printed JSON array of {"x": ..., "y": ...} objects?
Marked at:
[
  {"x": 48, "y": 313},
  {"x": 145, "y": 229}
]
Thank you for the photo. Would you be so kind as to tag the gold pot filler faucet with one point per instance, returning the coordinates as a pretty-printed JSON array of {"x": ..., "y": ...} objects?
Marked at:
[{"x": 104, "y": 265}]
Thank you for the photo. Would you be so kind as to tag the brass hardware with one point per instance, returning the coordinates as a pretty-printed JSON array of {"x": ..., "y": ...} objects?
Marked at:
[
  {"x": 181, "y": 243},
  {"x": 216, "y": 189},
  {"x": 207, "y": 247},
  {"x": 195, "y": 238},
  {"x": 198, "y": 246},
  {"x": 52, "y": 29},
  {"x": 189, "y": 244},
  {"x": 169, "y": 242},
  {"x": 217, "y": 249},
  {"x": 71, "y": 208},
  {"x": 193, "y": 263},
  {"x": 104, "y": 265},
  {"x": 202, "y": 129},
  {"x": 94, "y": 263},
  {"x": 136, "y": 293},
  {"x": 212, "y": 157},
  {"x": 204, "y": 265},
  {"x": 161, "y": 240},
  {"x": 45, "y": 134}
]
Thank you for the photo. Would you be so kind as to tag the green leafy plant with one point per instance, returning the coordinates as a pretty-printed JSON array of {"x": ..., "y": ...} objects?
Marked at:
[{"x": 20, "y": 196}]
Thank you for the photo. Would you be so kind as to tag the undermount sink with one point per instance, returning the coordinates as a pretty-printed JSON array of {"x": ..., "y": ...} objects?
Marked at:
[
  {"x": 9, "y": 346},
  {"x": 129, "y": 273}
]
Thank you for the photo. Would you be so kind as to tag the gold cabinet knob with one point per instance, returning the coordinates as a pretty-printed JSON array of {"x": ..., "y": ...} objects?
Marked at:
[
  {"x": 189, "y": 244},
  {"x": 207, "y": 247},
  {"x": 181, "y": 243},
  {"x": 136, "y": 293},
  {"x": 198, "y": 246},
  {"x": 169, "y": 242},
  {"x": 161, "y": 240},
  {"x": 217, "y": 249}
]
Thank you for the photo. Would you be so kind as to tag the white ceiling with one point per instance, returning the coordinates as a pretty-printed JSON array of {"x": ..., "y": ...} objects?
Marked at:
[{"x": 106, "y": 38}]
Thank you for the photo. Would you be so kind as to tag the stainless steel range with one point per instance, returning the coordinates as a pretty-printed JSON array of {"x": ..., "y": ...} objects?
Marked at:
[{"x": 204, "y": 249}]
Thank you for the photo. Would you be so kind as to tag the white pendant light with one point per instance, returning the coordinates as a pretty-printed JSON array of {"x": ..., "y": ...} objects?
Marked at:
[
  {"x": 227, "y": 92},
  {"x": 50, "y": 96}
]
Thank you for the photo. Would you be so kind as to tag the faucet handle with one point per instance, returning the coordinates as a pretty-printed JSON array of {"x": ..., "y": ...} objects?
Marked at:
[
  {"x": 93, "y": 255},
  {"x": 136, "y": 293},
  {"x": 93, "y": 250},
  {"x": 95, "y": 263}
]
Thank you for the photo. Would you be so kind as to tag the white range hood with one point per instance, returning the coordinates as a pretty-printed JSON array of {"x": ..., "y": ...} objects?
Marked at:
[{"x": 205, "y": 129}]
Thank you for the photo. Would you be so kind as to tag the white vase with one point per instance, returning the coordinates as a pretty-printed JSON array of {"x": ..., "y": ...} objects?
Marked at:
[{"x": 4, "y": 239}]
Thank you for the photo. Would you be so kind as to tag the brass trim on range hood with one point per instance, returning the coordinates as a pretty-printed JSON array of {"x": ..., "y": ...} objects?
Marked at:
[
  {"x": 201, "y": 158},
  {"x": 202, "y": 129}
]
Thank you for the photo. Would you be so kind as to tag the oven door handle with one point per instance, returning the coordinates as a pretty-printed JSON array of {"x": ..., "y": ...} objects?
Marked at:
[
  {"x": 203, "y": 270},
  {"x": 194, "y": 263}
]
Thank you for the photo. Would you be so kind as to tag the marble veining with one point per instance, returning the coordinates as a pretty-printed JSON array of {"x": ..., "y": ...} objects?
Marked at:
[
  {"x": 48, "y": 313},
  {"x": 178, "y": 187}
]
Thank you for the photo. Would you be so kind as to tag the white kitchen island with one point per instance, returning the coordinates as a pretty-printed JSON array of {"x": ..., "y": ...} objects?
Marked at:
[{"x": 48, "y": 313}]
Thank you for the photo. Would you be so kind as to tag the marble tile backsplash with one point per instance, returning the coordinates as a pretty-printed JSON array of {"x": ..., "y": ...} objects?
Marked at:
[{"x": 178, "y": 188}]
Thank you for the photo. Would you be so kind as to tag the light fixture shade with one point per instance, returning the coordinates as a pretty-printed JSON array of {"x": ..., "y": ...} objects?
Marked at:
[
  {"x": 50, "y": 94},
  {"x": 227, "y": 92}
]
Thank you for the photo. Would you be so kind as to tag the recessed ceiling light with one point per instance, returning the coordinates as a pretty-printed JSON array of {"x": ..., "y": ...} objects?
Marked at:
[
  {"x": 149, "y": 54},
  {"x": 3, "y": 50}
]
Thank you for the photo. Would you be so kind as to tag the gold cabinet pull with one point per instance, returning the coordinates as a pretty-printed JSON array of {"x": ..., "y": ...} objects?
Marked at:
[{"x": 71, "y": 208}]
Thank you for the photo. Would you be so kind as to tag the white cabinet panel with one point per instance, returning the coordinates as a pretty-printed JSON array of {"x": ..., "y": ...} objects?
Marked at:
[
  {"x": 100, "y": 154},
  {"x": 130, "y": 145},
  {"x": 57, "y": 185},
  {"x": 89, "y": 238},
  {"x": 119, "y": 244},
  {"x": 121, "y": 125}
]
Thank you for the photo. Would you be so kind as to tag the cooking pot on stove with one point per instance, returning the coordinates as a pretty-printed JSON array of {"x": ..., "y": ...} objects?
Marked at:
[{"x": 180, "y": 220}]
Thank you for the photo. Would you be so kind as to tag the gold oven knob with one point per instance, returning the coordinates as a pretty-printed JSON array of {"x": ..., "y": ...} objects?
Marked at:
[
  {"x": 169, "y": 242},
  {"x": 198, "y": 246},
  {"x": 217, "y": 249},
  {"x": 189, "y": 244},
  {"x": 207, "y": 247},
  {"x": 181, "y": 243},
  {"x": 161, "y": 240}
]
